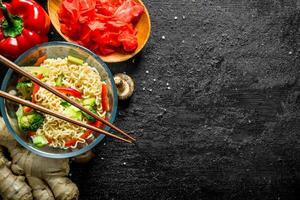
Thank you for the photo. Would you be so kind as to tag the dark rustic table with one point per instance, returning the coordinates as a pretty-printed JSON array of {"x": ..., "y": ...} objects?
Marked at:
[{"x": 216, "y": 109}]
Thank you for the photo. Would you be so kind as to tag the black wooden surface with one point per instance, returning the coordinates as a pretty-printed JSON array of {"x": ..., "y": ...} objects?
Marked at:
[{"x": 216, "y": 108}]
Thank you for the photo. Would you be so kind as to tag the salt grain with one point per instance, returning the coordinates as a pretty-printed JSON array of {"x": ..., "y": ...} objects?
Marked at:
[
  {"x": 169, "y": 88},
  {"x": 154, "y": 79},
  {"x": 167, "y": 84},
  {"x": 163, "y": 37},
  {"x": 175, "y": 17},
  {"x": 147, "y": 72},
  {"x": 183, "y": 17}
]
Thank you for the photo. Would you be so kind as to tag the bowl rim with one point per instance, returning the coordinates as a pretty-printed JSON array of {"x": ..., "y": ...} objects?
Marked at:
[{"x": 59, "y": 155}]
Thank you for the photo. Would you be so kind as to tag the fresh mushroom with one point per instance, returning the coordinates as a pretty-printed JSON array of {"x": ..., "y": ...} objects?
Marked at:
[{"x": 125, "y": 86}]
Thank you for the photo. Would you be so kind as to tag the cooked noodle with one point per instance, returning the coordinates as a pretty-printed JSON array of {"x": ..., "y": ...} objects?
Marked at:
[{"x": 81, "y": 77}]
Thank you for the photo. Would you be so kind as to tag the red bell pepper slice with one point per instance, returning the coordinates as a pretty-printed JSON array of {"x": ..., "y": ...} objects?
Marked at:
[
  {"x": 104, "y": 98},
  {"x": 88, "y": 132},
  {"x": 49, "y": 140},
  {"x": 36, "y": 87},
  {"x": 70, "y": 142},
  {"x": 27, "y": 109},
  {"x": 69, "y": 91},
  {"x": 31, "y": 133},
  {"x": 40, "y": 60}
]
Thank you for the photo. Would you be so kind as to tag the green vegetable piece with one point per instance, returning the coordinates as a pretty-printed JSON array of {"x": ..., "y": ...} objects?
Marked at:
[
  {"x": 59, "y": 80},
  {"x": 89, "y": 117},
  {"x": 75, "y": 60},
  {"x": 65, "y": 104},
  {"x": 37, "y": 70},
  {"x": 73, "y": 113},
  {"x": 30, "y": 122},
  {"x": 25, "y": 88},
  {"x": 90, "y": 104},
  {"x": 39, "y": 141}
]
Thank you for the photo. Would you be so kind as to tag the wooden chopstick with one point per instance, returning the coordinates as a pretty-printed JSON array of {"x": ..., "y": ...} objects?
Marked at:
[
  {"x": 18, "y": 69},
  {"x": 58, "y": 115}
]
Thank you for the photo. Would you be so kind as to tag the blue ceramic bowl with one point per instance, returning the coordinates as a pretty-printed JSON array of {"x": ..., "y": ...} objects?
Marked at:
[{"x": 55, "y": 50}]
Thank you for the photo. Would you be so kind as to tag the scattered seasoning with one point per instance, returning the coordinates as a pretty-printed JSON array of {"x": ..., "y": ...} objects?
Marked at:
[
  {"x": 144, "y": 88},
  {"x": 163, "y": 37},
  {"x": 290, "y": 52},
  {"x": 154, "y": 79},
  {"x": 147, "y": 72},
  {"x": 167, "y": 84},
  {"x": 169, "y": 88},
  {"x": 175, "y": 17},
  {"x": 150, "y": 90}
]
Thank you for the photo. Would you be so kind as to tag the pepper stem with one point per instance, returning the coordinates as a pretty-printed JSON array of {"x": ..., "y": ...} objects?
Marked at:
[
  {"x": 6, "y": 14},
  {"x": 12, "y": 25}
]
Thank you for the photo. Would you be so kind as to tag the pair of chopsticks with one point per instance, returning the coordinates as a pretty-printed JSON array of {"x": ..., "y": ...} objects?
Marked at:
[{"x": 6, "y": 95}]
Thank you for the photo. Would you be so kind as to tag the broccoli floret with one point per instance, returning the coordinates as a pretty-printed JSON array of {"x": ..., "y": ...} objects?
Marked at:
[
  {"x": 25, "y": 88},
  {"x": 30, "y": 122}
]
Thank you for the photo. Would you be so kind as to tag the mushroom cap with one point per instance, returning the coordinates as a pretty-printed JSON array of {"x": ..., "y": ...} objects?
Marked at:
[{"x": 125, "y": 85}]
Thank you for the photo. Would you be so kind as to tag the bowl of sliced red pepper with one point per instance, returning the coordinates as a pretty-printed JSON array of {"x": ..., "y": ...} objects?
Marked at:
[
  {"x": 116, "y": 30},
  {"x": 32, "y": 58}
]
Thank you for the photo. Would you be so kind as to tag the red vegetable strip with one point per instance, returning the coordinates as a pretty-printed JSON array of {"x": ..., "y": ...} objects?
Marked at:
[
  {"x": 49, "y": 140},
  {"x": 27, "y": 109},
  {"x": 36, "y": 87},
  {"x": 70, "y": 142},
  {"x": 104, "y": 98},
  {"x": 31, "y": 133},
  {"x": 40, "y": 60},
  {"x": 69, "y": 91},
  {"x": 86, "y": 134}
]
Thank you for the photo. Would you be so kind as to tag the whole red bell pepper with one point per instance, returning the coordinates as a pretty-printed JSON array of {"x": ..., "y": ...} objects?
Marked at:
[{"x": 24, "y": 23}]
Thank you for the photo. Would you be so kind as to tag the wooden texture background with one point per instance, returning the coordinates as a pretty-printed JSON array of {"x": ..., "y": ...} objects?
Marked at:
[{"x": 216, "y": 109}]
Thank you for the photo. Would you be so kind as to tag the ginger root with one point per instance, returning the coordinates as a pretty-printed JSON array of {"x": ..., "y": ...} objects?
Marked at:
[
  {"x": 11, "y": 186},
  {"x": 40, "y": 189},
  {"x": 39, "y": 169}
]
